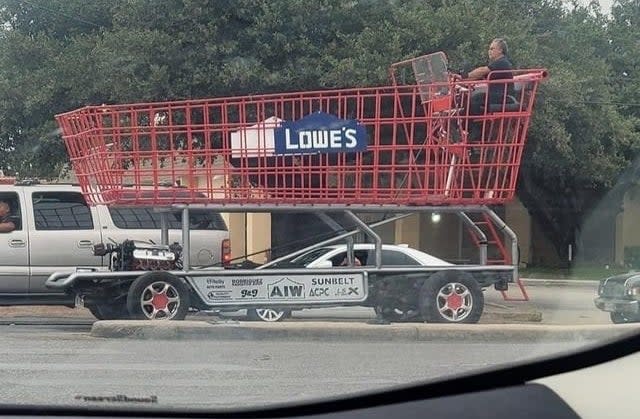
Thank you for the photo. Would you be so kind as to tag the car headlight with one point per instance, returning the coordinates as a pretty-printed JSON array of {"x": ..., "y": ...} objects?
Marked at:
[{"x": 634, "y": 291}]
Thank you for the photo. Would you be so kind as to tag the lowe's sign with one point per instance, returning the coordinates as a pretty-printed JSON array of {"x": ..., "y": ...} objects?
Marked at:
[{"x": 320, "y": 133}]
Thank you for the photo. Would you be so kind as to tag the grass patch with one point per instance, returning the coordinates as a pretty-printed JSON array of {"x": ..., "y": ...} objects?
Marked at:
[{"x": 576, "y": 273}]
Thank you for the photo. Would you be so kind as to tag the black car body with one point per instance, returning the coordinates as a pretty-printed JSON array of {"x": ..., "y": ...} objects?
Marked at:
[{"x": 620, "y": 296}]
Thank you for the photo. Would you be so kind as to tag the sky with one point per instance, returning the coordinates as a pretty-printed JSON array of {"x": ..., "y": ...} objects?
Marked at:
[{"x": 604, "y": 4}]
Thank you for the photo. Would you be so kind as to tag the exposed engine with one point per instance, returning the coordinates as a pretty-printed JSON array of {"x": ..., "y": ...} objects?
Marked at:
[{"x": 131, "y": 255}]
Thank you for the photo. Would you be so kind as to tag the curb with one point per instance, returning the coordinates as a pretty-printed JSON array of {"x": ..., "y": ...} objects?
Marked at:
[
  {"x": 535, "y": 282},
  {"x": 341, "y": 332}
]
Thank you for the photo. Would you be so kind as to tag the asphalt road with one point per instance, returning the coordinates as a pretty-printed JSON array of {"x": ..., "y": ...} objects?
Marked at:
[
  {"x": 53, "y": 360},
  {"x": 42, "y": 365}
]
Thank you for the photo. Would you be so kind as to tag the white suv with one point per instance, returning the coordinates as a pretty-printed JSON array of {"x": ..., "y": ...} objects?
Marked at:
[{"x": 55, "y": 230}]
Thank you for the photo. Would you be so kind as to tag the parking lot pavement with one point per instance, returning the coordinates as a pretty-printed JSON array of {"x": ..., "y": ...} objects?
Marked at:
[
  {"x": 44, "y": 311},
  {"x": 568, "y": 304}
]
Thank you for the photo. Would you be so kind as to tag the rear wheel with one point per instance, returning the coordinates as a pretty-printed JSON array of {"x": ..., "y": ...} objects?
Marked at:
[
  {"x": 158, "y": 296},
  {"x": 451, "y": 297},
  {"x": 267, "y": 314}
]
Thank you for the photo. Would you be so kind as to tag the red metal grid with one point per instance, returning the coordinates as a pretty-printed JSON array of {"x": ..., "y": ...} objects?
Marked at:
[{"x": 423, "y": 148}]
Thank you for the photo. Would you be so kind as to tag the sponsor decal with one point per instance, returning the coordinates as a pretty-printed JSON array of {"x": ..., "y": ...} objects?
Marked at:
[{"x": 320, "y": 133}]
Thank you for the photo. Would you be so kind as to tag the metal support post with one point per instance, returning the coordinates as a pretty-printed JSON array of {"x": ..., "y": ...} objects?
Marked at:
[
  {"x": 329, "y": 241},
  {"x": 335, "y": 226},
  {"x": 369, "y": 232},
  {"x": 482, "y": 238},
  {"x": 186, "y": 243},
  {"x": 164, "y": 229},
  {"x": 502, "y": 226}
]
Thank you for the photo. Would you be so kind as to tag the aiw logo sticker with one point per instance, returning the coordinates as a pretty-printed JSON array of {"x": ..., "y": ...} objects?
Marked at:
[{"x": 286, "y": 289}]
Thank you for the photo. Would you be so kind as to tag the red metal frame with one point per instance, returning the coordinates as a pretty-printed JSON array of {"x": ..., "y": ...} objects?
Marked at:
[
  {"x": 420, "y": 151},
  {"x": 496, "y": 244},
  {"x": 523, "y": 291}
]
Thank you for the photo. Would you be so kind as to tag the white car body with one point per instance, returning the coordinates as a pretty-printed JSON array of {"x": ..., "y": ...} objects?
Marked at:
[
  {"x": 333, "y": 256},
  {"x": 390, "y": 255}
]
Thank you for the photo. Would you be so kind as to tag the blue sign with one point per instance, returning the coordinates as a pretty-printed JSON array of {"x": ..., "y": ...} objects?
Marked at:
[{"x": 320, "y": 133}]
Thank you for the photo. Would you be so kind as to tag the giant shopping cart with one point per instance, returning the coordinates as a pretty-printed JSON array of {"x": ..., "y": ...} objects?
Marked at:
[{"x": 415, "y": 145}]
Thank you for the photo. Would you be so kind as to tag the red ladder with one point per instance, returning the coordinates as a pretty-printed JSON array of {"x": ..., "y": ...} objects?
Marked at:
[{"x": 496, "y": 250}]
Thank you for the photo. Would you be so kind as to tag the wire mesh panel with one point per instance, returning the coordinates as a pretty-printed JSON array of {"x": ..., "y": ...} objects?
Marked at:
[{"x": 447, "y": 142}]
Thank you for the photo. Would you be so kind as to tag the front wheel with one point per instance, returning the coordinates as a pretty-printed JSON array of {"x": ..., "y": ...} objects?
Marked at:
[
  {"x": 267, "y": 314},
  {"x": 158, "y": 296},
  {"x": 451, "y": 297}
]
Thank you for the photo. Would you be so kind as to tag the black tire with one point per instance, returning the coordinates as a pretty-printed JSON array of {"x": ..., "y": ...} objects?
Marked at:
[
  {"x": 116, "y": 310},
  {"x": 267, "y": 315},
  {"x": 173, "y": 296},
  {"x": 451, "y": 287},
  {"x": 621, "y": 318},
  {"x": 397, "y": 315}
]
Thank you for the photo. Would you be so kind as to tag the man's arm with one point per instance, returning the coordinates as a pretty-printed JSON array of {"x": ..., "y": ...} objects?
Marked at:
[
  {"x": 479, "y": 73},
  {"x": 7, "y": 227}
]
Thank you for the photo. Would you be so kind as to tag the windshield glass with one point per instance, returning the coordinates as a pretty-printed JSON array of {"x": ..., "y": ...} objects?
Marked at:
[
  {"x": 306, "y": 258},
  {"x": 157, "y": 156}
]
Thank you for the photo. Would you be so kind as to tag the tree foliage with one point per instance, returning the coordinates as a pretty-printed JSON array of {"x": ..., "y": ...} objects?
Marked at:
[{"x": 56, "y": 55}]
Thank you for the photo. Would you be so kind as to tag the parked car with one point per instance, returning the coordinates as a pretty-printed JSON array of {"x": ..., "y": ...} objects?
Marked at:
[
  {"x": 392, "y": 255},
  {"x": 620, "y": 296},
  {"x": 55, "y": 230},
  {"x": 334, "y": 256}
]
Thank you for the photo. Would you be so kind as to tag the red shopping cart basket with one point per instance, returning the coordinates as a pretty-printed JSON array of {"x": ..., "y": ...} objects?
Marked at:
[{"x": 436, "y": 141}]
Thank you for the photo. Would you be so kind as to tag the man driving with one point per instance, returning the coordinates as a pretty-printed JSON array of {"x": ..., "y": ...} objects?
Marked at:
[
  {"x": 6, "y": 225},
  {"x": 498, "y": 62}
]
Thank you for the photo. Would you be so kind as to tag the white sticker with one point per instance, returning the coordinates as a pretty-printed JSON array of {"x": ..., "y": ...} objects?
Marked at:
[{"x": 279, "y": 289}]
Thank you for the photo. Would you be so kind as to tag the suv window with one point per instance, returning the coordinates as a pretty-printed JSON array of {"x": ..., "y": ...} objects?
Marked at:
[
  {"x": 61, "y": 211},
  {"x": 11, "y": 199},
  {"x": 147, "y": 219}
]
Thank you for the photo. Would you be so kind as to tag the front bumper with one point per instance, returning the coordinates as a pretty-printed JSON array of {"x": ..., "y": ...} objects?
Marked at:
[{"x": 618, "y": 305}]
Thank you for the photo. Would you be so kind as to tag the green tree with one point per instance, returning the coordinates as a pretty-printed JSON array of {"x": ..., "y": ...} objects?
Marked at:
[{"x": 57, "y": 55}]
